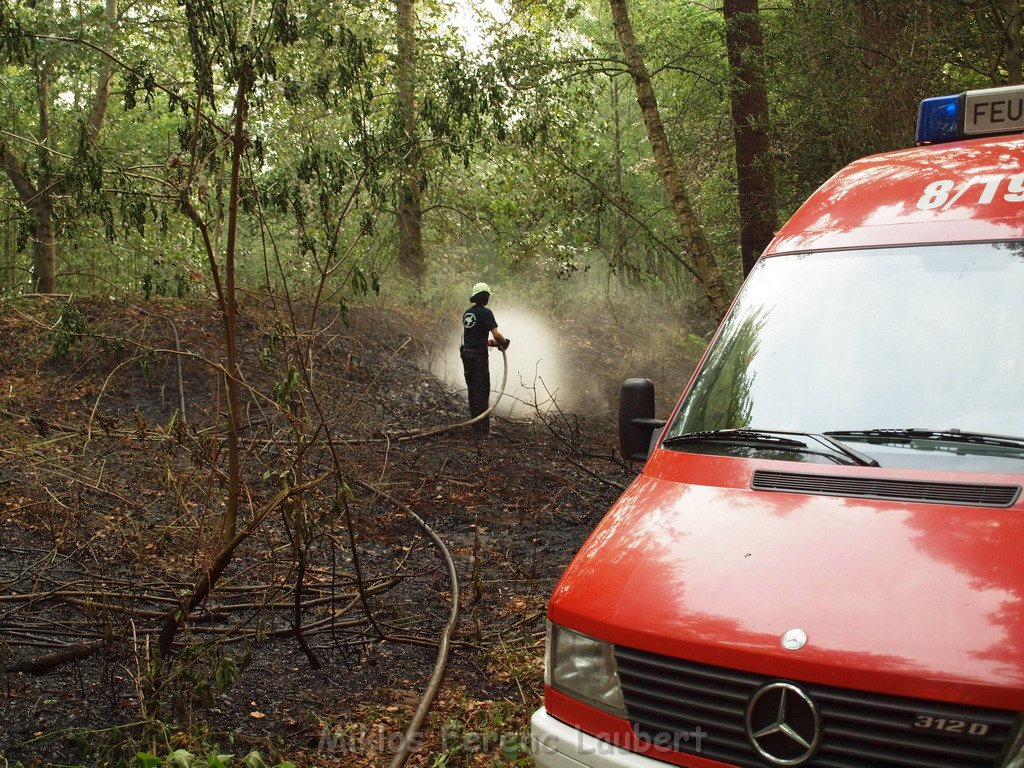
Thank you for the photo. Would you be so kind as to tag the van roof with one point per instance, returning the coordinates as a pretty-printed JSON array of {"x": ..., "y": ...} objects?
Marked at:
[{"x": 959, "y": 192}]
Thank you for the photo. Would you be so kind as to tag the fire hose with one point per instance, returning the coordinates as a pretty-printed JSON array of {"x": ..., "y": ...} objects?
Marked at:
[
  {"x": 433, "y": 685},
  {"x": 402, "y": 437},
  {"x": 413, "y": 729}
]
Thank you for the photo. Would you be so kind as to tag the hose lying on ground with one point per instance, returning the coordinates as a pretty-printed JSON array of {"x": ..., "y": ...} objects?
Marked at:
[
  {"x": 433, "y": 685},
  {"x": 403, "y": 437}
]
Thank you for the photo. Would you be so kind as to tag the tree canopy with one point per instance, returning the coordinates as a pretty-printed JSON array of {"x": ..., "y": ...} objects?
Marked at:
[{"x": 505, "y": 141}]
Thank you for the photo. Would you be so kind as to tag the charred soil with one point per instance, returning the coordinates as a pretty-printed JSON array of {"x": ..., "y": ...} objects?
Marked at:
[{"x": 309, "y": 649}]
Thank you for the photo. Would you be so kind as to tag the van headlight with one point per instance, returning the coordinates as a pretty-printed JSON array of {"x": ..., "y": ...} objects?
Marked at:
[
  {"x": 583, "y": 668},
  {"x": 1015, "y": 754}
]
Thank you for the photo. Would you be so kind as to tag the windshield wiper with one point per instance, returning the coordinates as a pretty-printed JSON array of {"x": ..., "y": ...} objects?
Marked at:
[
  {"x": 940, "y": 435},
  {"x": 773, "y": 438},
  {"x": 857, "y": 456}
]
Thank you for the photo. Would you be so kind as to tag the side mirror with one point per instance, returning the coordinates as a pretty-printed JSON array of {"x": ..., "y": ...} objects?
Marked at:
[{"x": 637, "y": 426}]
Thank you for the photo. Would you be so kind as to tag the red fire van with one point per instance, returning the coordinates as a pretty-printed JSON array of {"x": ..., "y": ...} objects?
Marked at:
[{"x": 822, "y": 562}]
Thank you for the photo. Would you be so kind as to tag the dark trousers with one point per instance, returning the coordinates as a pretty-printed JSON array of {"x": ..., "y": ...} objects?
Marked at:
[{"x": 478, "y": 381}]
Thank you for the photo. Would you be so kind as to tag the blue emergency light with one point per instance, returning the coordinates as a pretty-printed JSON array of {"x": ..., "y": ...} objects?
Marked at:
[
  {"x": 939, "y": 120},
  {"x": 974, "y": 113}
]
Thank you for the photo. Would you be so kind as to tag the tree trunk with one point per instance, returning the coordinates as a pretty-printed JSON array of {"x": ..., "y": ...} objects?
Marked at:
[
  {"x": 102, "y": 96},
  {"x": 229, "y": 308},
  {"x": 690, "y": 228},
  {"x": 44, "y": 262},
  {"x": 1012, "y": 37},
  {"x": 37, "y": 195},
  {"x": 410, "y": 211},
  {"x": 616, "y": 228},
  {"x": 755, "y": 171},
  {"x": 44, "y": 246}
]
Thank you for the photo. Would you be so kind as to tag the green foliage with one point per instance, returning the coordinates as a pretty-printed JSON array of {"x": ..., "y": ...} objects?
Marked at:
[
  {"x": 271, "y": 341},
  {"x": 834, "y": 103},
  {"x": 115, "y": 346},
  {"x": 532, "y": 153},
  {"x": 288, "y": 388},
  {"x": 494, "y": 736},
  {"x": 181, "y": 758},
  {"x": 71, "y": 327},
  {"x": 14, "y": 43},
  {"x": 363, "y": 284},
  {"x": 226, "y": 673}
]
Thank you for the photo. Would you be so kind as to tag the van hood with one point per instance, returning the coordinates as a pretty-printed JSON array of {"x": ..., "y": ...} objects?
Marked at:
[{"x": 923, "y": 600}]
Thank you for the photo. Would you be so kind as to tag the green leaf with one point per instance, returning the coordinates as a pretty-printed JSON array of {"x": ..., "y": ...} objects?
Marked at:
[
  {"x": 182, "y": 758},
  {"x": 226, "y": 674},
  {"x": 219, "y": 761},
  {"x": 147, "y": 760},
  {"x": 254, "y": 760},
  {"x": 511, "y": 748}
]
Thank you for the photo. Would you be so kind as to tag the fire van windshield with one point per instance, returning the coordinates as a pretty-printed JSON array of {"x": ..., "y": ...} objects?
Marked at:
[{"x": 827, "y": 343}]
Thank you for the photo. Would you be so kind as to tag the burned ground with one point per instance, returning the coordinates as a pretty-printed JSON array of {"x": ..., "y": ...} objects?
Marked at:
[{"x": 110, "y": 507}]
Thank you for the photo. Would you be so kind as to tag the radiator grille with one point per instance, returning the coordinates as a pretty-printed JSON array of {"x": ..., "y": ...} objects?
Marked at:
[
  {"x": 667, "y": 699},
  {"x": 964, "y": 494}
]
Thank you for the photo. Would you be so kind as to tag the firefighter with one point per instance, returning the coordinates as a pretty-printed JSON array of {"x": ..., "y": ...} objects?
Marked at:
[{"x": 477, "y": 322}]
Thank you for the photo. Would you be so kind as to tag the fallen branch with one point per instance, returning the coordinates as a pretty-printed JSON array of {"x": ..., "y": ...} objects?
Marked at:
[
  {"x": 43, "y": 664},
  {"x": 175, "y": 619},
  {"x": 595, "y": 475}
]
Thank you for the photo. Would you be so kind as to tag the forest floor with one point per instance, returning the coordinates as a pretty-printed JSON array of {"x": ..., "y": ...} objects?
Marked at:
[{"x": 110, "y": 506}]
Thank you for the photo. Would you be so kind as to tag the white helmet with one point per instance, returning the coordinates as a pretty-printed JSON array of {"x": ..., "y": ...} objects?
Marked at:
[{"x": 481, "y": 288}]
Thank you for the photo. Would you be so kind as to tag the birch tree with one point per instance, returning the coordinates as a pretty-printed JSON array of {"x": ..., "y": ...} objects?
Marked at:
[{"x": 690, "y": 228}]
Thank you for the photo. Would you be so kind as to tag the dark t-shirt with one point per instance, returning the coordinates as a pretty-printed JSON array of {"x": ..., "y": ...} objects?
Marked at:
[{"x": 477, "y": 323}]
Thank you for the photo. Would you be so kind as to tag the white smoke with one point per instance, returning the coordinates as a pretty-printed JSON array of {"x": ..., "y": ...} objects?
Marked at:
[{"x": 535, "y": 374}]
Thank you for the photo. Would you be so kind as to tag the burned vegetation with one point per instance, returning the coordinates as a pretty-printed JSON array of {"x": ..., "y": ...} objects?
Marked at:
[{"x": 337, "y": 589}]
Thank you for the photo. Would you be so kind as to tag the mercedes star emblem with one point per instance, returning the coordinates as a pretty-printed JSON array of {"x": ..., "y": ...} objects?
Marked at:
[
  {"x": 783, "y": 724},
  {"x": 794, "y": 639}
]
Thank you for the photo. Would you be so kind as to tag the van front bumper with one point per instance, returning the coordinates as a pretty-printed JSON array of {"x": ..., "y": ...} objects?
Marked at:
[{"x": 557, "y": 745}]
